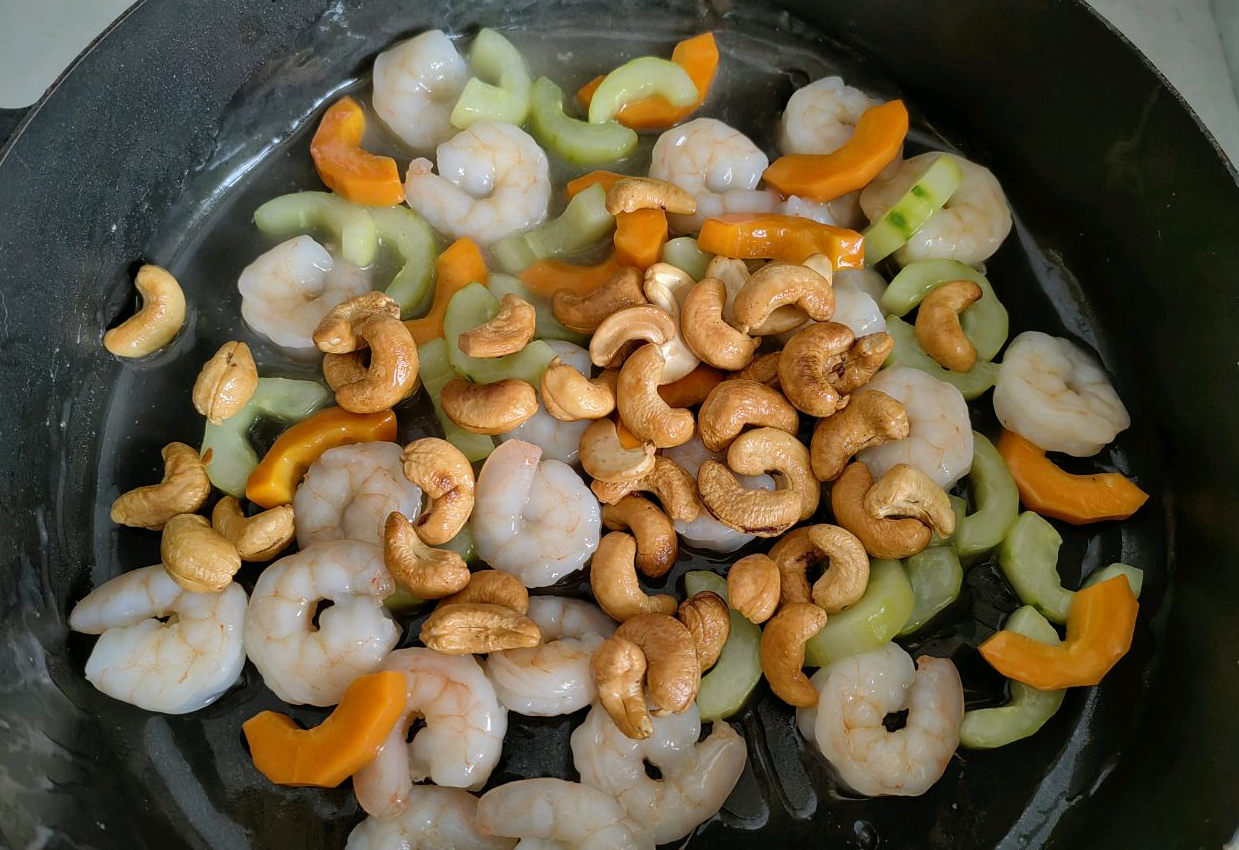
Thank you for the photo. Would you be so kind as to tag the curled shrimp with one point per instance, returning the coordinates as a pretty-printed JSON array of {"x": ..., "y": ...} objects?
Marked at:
[
  {"x": 857, "y": 293},
  {"x": 558, "y": 440},
  {"x": 416, "y": 84},
  {"x": 572, "y": 815},
  {"x": 286, "y": 292},
  {"x": 173, "y": 666},
  {"x": 939, "y": 441},
  {"x": 434, "y": 818},
  {"x": 697, "y": 777},
  {"x": 533, "y": 518},
  {"x": 554, "y": 677},
  {"x": 1052, "y": 392},
  {"x": 493, "y": 180},
  {"x": 820, "y": 117},
  {"x": 858, "y": 692},
  {"x": 458, "y": 747},
  {"x": 349, "y": 491},
  {"x": 304, "y": 663},
  {"x": 705, "y": 532}
]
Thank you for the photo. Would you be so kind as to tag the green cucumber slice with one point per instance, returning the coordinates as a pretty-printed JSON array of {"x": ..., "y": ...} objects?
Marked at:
[
  {"x": 1028, "y": 557},
  {"x": 908, "y": 352},
  {"x": 583, "y": 224},
  {"x": 548, "y": 327},
  {"x": 870, "y": 623},
  {"x": 996, "y": 497},
  {"x": 309, "y": 212},
  {"x": 909, "y": 214},
  {"x": 436, "y": 370},
  {"x": 640, "y": 78},
  {"x": 507, "y": 98},
  {"x": 936, "y": 577},
  {"x": 411, "y": 239},
  {"x": 683, "y": 253},
  {"x": 475, "y": 305},
  {"x": 1134, "y": 576},
  {"x": 578, "y": 142},
  {"x": 727, "y": 686},
  {"x": 985, "y": 323}
]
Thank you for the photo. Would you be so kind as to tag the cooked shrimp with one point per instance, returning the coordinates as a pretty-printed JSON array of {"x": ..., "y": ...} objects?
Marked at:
[
  {"x": 705, "y": 532},
  {"x": 552, "y": 678},
  {"x": 175, "y": 665},
  {"x": 718, "y": 164},
  {"x": 855, "y": 305},
  {"x": 843, "y": 211},
  {"x": 821, "y": 117},
  {"x": 536, "y": 520},
  {"x": 939, "y": 441},
  {"x": 969, "y": 228},
  {"x": 458, "y": 747},
  {"x": 434, "y": 819},
  {"x": 576, "y": 816},
  {"x": 1052, "y": 392},
  {"x": 304, "y": 663},
  {"x": 286, "y": 292},
  {"x": 416, "y": 84},
  {"x": 696, "y": 777},
  {"x": 858, "y": 692},
  {"x": 864, "y": 280},
  {"x": 349, "y": 491},
  {"x": 558, "y": 440},
  {"x": 492, "y": 181}
]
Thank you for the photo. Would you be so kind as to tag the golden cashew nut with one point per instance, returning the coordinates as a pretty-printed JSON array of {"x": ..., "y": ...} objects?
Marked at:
[
  {"x": 226, "y": 382},
  {"x": 763, "y": 513},
  {"x": 342, "y": 369},
  {"x": 157, "y": 321},
  {"x": 196, "y": 556},
  {"x": 392, "y": 373},
  {"x": 610, "y": 344},
  {"x": 606, "y": 459},
  {"x": 674, "y": 487},
  {"x": 753, "y": 587},
  {"x": 673, "y": 673},
  {"x": 707, "y": 334},
  {"x": 657, "y": 543},
  {"x": 734, "y": 274},
  {"x": 706, "y": 616},
  {"x": 890, "y": 539},
  {"x": 778, "y": 284},
  {"x": 493, "y": 587},
  {"x": 569, "y": 396},
  {"x": 870, "y": 419},
  {"x": 507, "y": 333},
  {"x": 337, "y": 331},
  {"x": 630, "y": 194},
  {"x": 937, "y": 325},
  {"x": 183, "y": 490},
  {"x": 584, "y": 313},
  {"x": 258, "y": 538},
  {"x": 906, "y": 491},
  {"x": 805, "y": 363},
  {"x": 445, "y": 475},
  {"x": 476, "y": 628},
  {"x": 667, "y": 286},
  {"x": 618, "y": 669},
  {"x": 845, "y": 578},
  {"x": 489, "y": 408},
  {"x": 738, "y": 403},
  {"x": 857, "y": 366},
  {"x": 794, "y": 555},
  {"x": 763, "y": 370},
  {"x": 425, "y": 572},
  {"x": 781, "y": 454},
  {"x": 642, "y": 409},
  {"x": 613, "y": 581},
  {"x": 782, "y": 652}
]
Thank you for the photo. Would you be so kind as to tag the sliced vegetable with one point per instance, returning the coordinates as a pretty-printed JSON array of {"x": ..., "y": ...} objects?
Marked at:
[
  {"x": 601, "y": 177},
  {"x": 996, "y": 499},
  {"x": 547, "y": 327},
  {"x": 344, "y": 167},
  {"x": 873, "y": 621},
  {"x": 506, "y": 97},
  {"x": 275, "y": 479},
  {"x": 1099, "y": 632},
  {"x": 338, "y": 747},
  {"x": 584, "y": 223},
  {"x": 726, "y": 687},
  {"x": 578, "y": 142},
  {"x": 309, "y": 212},
  {"x": 909, "y": 214},
  {"x": 1028, "y": 557},
  {"x": 546, "y": 277},
  {"x": 232, "y": 457},
  {"x": 936, "y": 577},
  {"x": 683, "y": 253},
  {"x": 770, "y": 236},
  {"x": 876, "y": 141},
  {"x": 436, "y": 370},
  {"x": 640, "y": 237},
  {"x": 698, "y": 56},
  {"x": 1028, "y": 709},
  {"x": 1134, "y": 576},
  {"x": 457, "y": 267},
  {"x": 411, "y": 239},
  {"x": 908, "y": 352},
  {"x": 475, "y": 305},
  {"x": 984, "y": 323},
  {"x": 1053, "y": 492},
  {"x": 645, "y": 76},
  {"x": 692, "y": 389}
]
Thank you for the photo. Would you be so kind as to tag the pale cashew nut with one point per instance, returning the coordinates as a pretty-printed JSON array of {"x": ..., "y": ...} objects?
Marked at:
[
  {"x": 445, "y": 475},
  {"x": 569, "y": 396},
  {"x": 734, "y": 274},
  {"x": 476, "y": 628},
  {"x": 706, "y": 616},
  {"x": 226, "y": 382},
  {"x": 674, "y": 487},
  {"x": 673, "y": 673},
  {"x": 507, "y": 333},
  {"x": 184, "y": 488},
  {"x": 584, "y": 313},
  {"x": 393, "y": 370},
  {"x": 337, "y": 331},
  {"x": 708, "y": 334},
  {"x": 870, "y": 419},
  {"x": 738, "y": 403},
  {"x": 657, "y": 543},
  {"x": 762, "y": 513},
  {"x": 782, "y": 652},
  {"x": 618, "y": 670},
  {"x": 424, "y": 572},
  {"x": 493, "y": 587},
  {"x": 605, "y": 458},
  {"x": 157, "y": 321},
  {"x": 613, "y": 581},
  {"x": 667, "y": 287},
  {"x": 906, "y": 491},
  {"x": 805, "y": 363},
  {"x": 196, "y": 556},
  {"x": 489, "y": 408},
  {"x": 857, "y": 366},
  {"x": 630, "y": 194},
  {"x": 794, "y": 555},
  {"x": 258, "y": 538},
  {"x": 763, "y": 370},
  {"x": 937, "y": 325},
  {"x": 610, "y": 344},
  {"x": 840, "y": 585},
  {"x": 783, "y": 455},
  {"x": 642, "y": 409},
  {"x": 890, "y": 539},
  {"x": 754, "y": 587},
  {"x": 778, "y": 284}
]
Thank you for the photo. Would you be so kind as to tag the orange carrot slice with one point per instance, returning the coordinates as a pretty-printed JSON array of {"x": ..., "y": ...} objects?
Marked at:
[
  {"x": 639, "y": 237},
  {"x": 752, "y": 236},
  {"x": 546, "y": 277},
  {"x": 693, "y": 388},
  {"x": 458, "y": 266},
  {"x": 698, "y": 56},
  {"x": 601, "y": 177},
  {"x": 344, "y": 167}
]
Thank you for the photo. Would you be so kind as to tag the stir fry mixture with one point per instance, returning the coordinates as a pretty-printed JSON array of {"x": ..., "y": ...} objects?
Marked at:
[{"x": 703, "y": 351}]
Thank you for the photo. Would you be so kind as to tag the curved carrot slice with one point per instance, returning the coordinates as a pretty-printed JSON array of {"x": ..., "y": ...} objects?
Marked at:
[
  {"x": 601, "y": 177},
  {"x": 337, "y": 748},
  {"x": 823, "y": 177},
  {"x": 769, "y": 236},
  {"x": 698, "y": 56},
  {"x": 639, "y": 237},
  {"x": 546, "y": 277},
  {"x": 458, "y": 266},
  {"x": 693, "y": 388},
  {"x": 344, "y": 167},
  {"x": 1077, "y": 499}
]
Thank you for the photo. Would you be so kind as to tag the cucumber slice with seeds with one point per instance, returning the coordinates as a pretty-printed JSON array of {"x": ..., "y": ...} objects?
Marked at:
[
  {"x": 475, "y": 305},
  {"x": 909, "y": 214},
  {"x": 578, "y": 142}
]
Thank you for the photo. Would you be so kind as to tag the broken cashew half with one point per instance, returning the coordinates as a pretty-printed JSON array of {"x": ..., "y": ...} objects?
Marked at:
[
  {"x": 476, "y": 628},
  {"x": 258, "y": 538},
  {"x": 445, "y": 475},
  {"x": 424, "y": 572},
  {"x": 507, "y": 333},
  {"x": 489, "y": 408},
  {"x": 494, "y": 587},
  {"x": 196, "y": 556},
  {"x": 870, "y": 419},
  {"x": 782, "y": 652},
  {"x": 674, "y": 487},
  {"x": 157, "y": 321},
  {"x": 584, "y": 313},
  {"x": 905, "y": 491},
  {"x": 630, "y": 194},
  {"x": 938, "y": 329},
  {"x": 613, "y": 581},
  {"x": 840, "y": 585},
  {"x": 779, "y": 284},
  {"x": 738, "y": 403},
  {"x": 226, "y": 382},
  {"x": 706, "y": 616},
  {"x": 183, "y": 490},
  {"x": 606, "y": 459},
  {"x": 657, "y": 542},
  {"x": 754, "y": 587},
  {"x": 891, "y": 539}
]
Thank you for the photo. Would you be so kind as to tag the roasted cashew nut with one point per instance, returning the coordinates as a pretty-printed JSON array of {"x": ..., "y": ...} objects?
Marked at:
[
  {"x": 674, "y": 487},
  {"x": 337, "y": 331},
  {"x": 196, "y": 556},
  {"x": 763, "y": 370},
  {"x": 489, "y": 408},
  {"x": 673, "y": 673},
  {"x": 657, "y": 543},
  {"x": 445, "y": 475},
  {"x": 890, "y": 539},
  {"x": 605, "y": 458},
  {"x": 157, "y": 321},
  {"x": 805, "y": 364},
  {"x": 667, "y": 287},
  {"x": 781, "y": 454},
  {"x": 840, "y": 585},
  {"x": 493, "y": 587},
  {"x": 762, "y": 513},
  {"x": 734, "y": 274},
  {"x": 424, "y": 572},
  {"x": 754, "y": 587},
  {"x": 226, "y": 382},
  {"x": 392, "y": 373},
  {"x": 476, "y": 628},
  {"x": 870, "y": 419},
  {"x": 258, "y": 538},
  {"x": 861, "y": 362},
  {"x": 507, "y": 333},
  {"x": 642, "y": 409},
  {"x": 618, "y": 669},
  {"x": 706, "y": 616},
  {"x": 937, "y": 325},
  {"x": 906, "y": 491},
  {"x": 613, "y": 581},
  {"x": 584, "y": 313},
  {"x": 569, "y": 396},
  {"x": 621, "y": 331},
  {"x": 630, "y": 194},
  {"x": 782, "y": 652},
  {"x": 738, "y": 403},
  {"x": 777, "y": 284},
  {"x": 708, "y": 334},
  {"x": 184, "y": 488}
]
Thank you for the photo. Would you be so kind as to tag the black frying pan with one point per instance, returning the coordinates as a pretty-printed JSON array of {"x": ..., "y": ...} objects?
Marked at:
[{"x": 160, "y": 141}]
